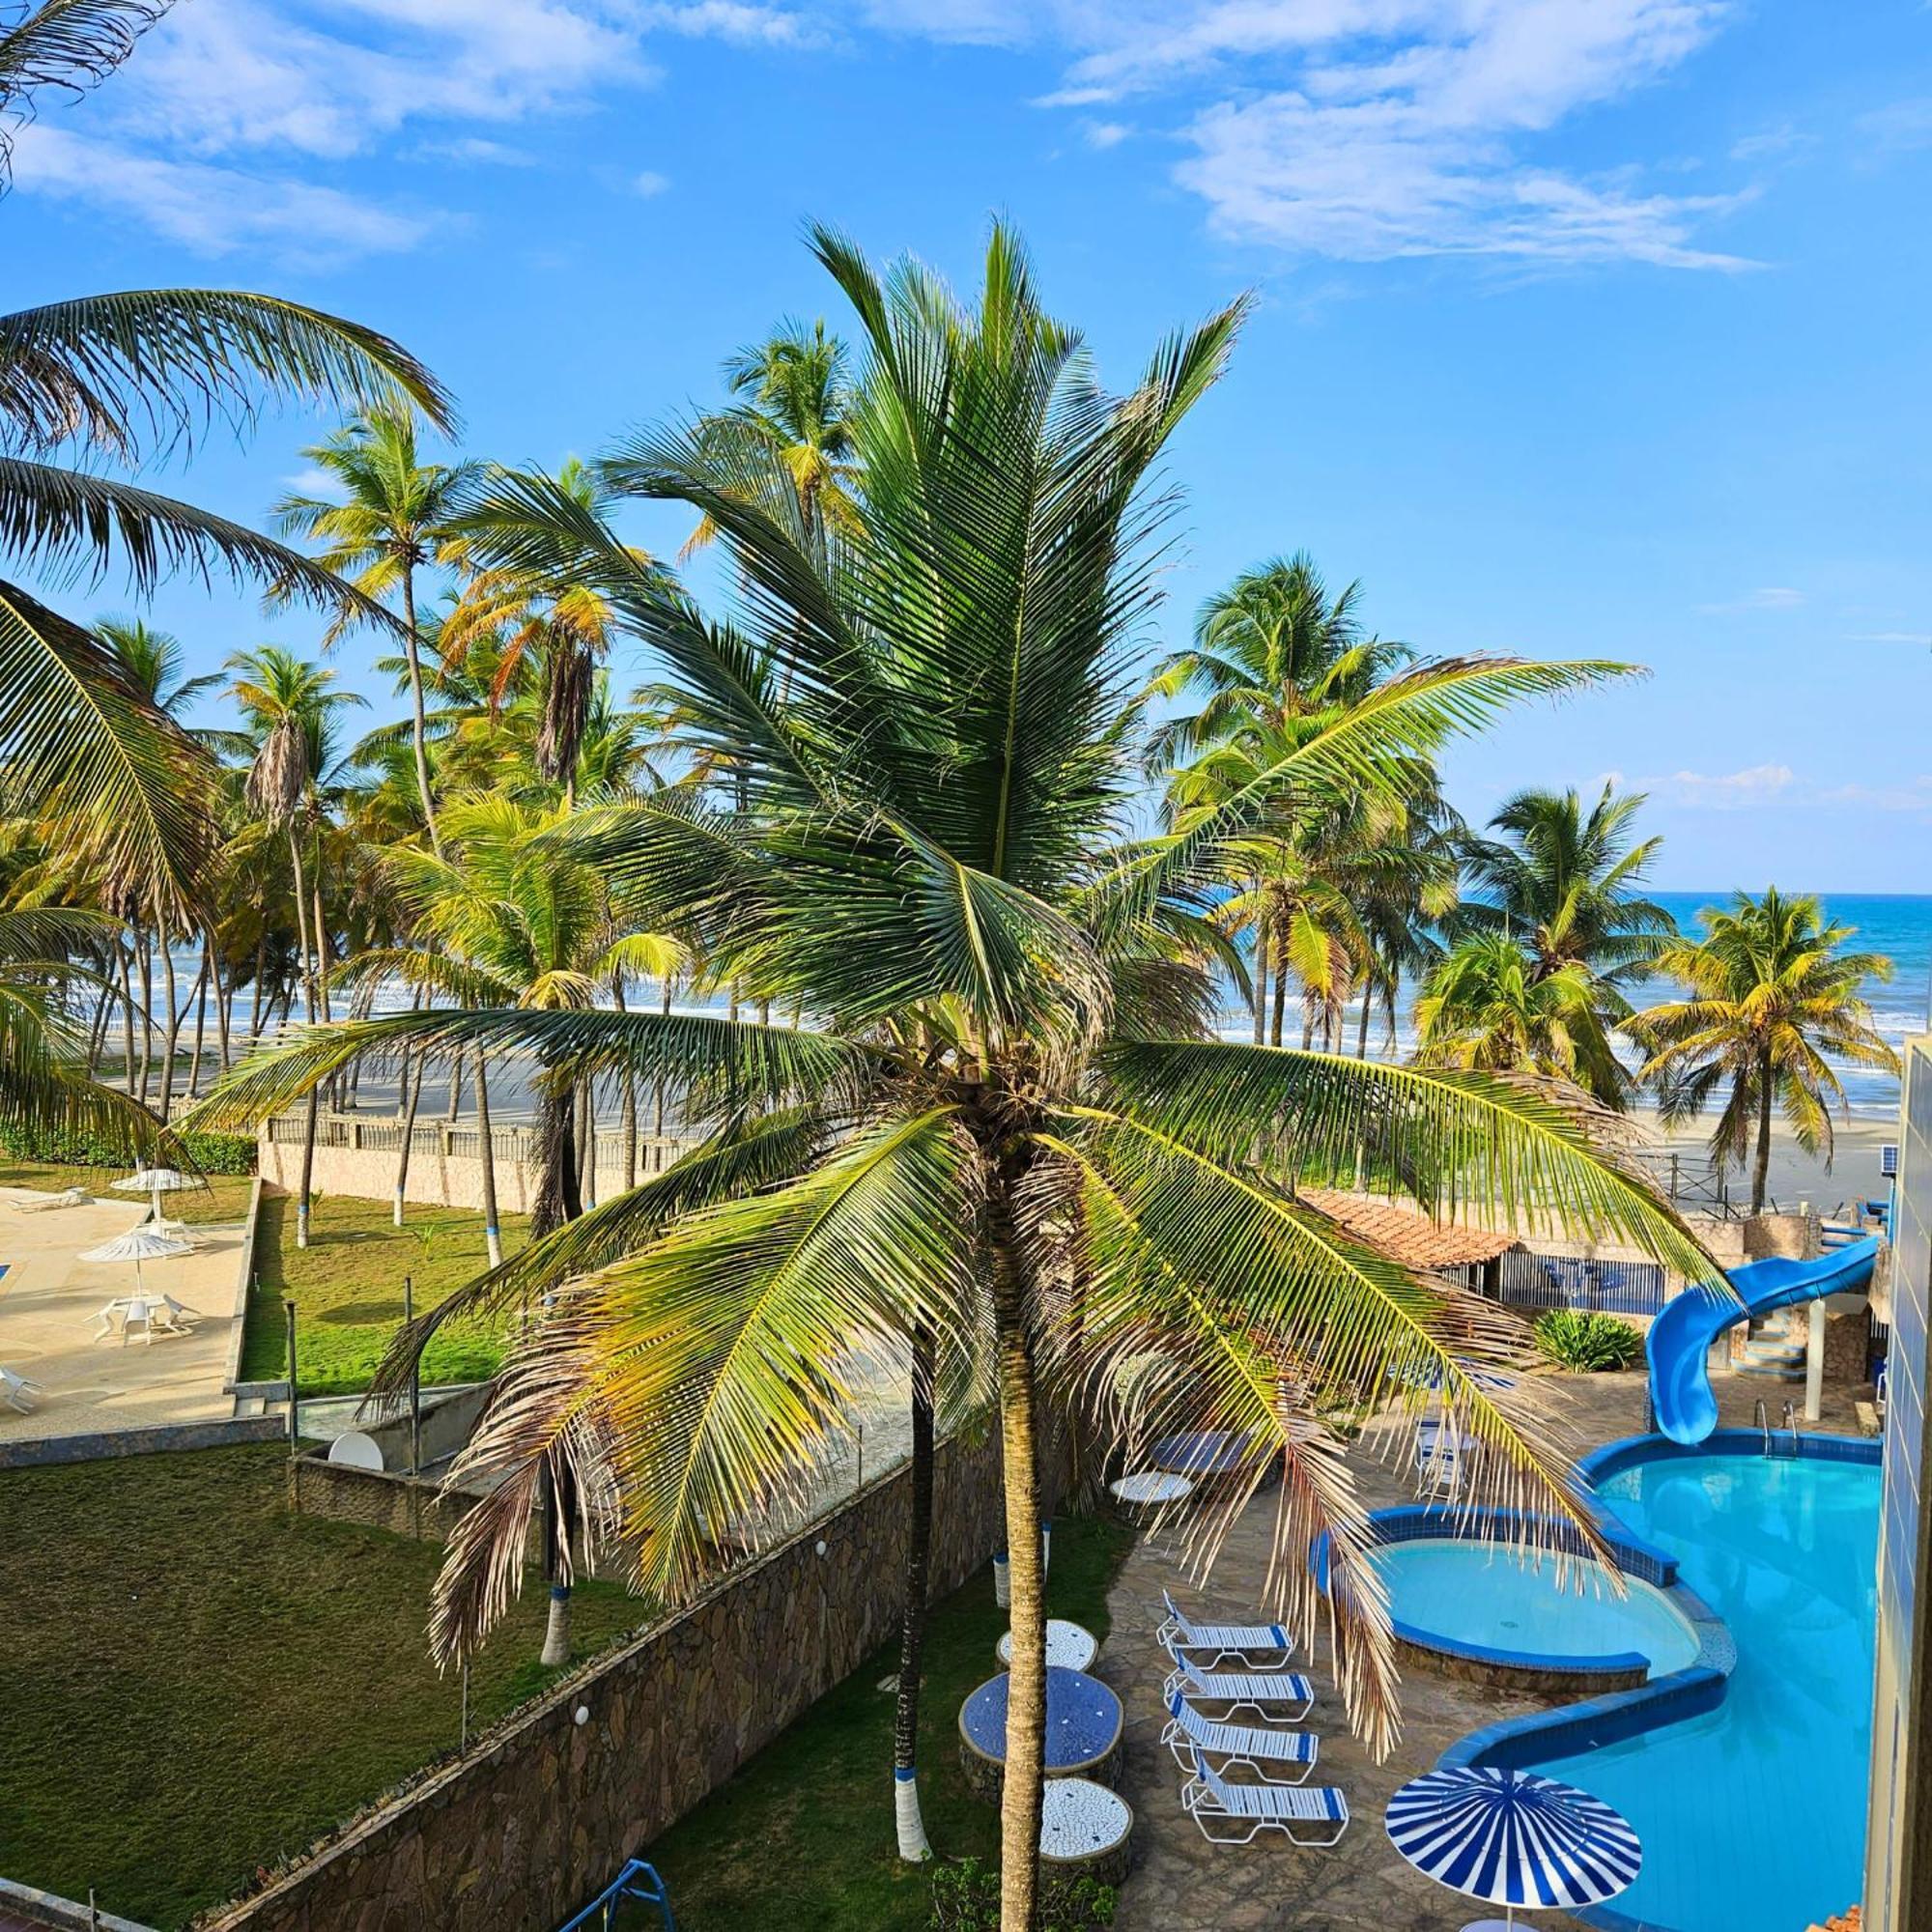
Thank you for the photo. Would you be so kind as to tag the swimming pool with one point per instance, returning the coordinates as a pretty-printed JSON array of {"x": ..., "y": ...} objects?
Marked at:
[
  {"x": 1752, "y": 1814},
  {"x": 1470, "y": 1594}
]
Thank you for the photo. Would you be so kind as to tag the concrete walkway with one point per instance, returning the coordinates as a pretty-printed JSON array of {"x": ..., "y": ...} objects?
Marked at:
[
  {"x": 1361, "y": 1886},
  {"x": 49, "y": 1308}
]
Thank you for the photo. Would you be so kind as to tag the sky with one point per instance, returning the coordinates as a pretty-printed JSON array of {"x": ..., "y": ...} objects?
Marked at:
[{"x": 1584, "y": 328}]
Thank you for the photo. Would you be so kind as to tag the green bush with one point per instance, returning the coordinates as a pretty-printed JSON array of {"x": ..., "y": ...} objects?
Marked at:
[
  {"x": 1587, "y": 1344},
  {"x": 206, "y": 1154},
  {"x": 966, "y": 1898}
]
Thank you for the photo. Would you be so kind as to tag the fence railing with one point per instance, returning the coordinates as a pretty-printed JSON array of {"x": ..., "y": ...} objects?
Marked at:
[
  {"x": 510, "y": 1143},
  {"x": 1530, "y": 1280}
]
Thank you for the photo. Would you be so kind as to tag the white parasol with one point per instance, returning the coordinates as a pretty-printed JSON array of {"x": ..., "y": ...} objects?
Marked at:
[{"x": 137, "y": 1245}]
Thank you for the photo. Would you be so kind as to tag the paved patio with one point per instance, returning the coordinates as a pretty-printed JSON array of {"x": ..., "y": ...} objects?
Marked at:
[
  {"x": 1361, "y": 1886},
  {"x": 49, "y": 1307}
]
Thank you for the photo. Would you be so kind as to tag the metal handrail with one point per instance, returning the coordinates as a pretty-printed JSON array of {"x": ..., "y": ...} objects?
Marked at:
[
  {"x": 1761, "y": 1416},
  {"x": 1791, "y": 1423}
]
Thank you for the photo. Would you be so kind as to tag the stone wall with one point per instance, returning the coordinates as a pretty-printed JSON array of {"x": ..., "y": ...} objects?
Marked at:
[
  {"x": 405, "y": 1505},
  {"x": 539, "y": 1816}
]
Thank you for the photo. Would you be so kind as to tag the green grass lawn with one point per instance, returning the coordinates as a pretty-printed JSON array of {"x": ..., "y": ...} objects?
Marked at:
[
  {"x": 804, "y": 1835},
  {"x": 225, "y": 1198},
  {"x": 198, "y": 1682},
  {"x": 348, "y": 1289}
]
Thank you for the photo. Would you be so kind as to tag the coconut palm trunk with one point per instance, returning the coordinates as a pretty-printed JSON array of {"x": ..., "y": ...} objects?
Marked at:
[
  {"x": 1022, "y": 1788},
  {"x": 412, "y": 1093},
  {"x": 911, "y": 1826},
  {"x": 418, "y": 714},
  {"x": 557, "y": 1199},
  {"x": 492, "y": 1235},
  {"x": 1761, "y": 1166},
  {"x": 1261, "y": 977},
  {"x": 171, "y": 1033}
]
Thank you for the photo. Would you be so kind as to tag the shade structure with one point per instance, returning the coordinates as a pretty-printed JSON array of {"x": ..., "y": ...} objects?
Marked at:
[
  {"x": 145, "y": 1243},
  {"x": 1514, "y": 1840}
]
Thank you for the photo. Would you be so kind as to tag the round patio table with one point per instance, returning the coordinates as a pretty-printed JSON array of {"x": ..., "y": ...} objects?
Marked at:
[
  {"x": 1083, "y": 1730},
  {"x": 1084, "y": 1831},
  {"x": 1204, "y": 1452},
  {"x": 1141, "y": 1497},
  {"x": 1070, "y": 1646}
]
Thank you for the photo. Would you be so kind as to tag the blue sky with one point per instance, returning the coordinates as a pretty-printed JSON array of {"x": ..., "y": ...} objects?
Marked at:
[{"x": 1585, "y": 327}]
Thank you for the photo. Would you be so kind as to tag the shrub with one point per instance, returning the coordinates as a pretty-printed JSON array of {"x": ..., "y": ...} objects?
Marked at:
[
  {"x": 1587, "y": 1344},
  {"x": 966, "y": 1898},
  {"x": 206, "y": 1154}
]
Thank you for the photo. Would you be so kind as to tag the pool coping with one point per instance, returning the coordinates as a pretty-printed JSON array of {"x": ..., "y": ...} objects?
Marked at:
[
  {"x": 1518, "y": 1742},
  {"x": 1608, "y": 1672}
]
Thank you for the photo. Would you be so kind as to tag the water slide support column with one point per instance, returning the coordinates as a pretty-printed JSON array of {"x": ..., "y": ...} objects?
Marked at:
[{"x": 1814, "y": 1362}]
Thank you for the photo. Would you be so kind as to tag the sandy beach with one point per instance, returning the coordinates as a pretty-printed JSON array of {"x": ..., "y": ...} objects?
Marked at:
[{"x": 1795, "y": 1177}]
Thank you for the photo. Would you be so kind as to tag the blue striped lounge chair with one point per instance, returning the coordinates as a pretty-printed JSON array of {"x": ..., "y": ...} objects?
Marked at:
[
  {"x": 1253, "y": 1646},
  {"x": 1193, "y": 1738},
  {"x": 1278, "y": 1696},
  {"x": 1233, "y": 1814}
]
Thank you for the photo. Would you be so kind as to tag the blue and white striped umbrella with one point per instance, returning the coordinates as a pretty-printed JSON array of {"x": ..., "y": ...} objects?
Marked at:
[{"x": 1512, "y": 1839}]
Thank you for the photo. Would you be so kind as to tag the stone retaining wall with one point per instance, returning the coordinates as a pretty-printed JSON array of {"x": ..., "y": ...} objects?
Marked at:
[{"x": 535, "y": 1821}]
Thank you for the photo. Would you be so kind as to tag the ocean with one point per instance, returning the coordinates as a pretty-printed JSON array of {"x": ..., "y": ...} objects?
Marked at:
[{"x": 1897, "y": 924}]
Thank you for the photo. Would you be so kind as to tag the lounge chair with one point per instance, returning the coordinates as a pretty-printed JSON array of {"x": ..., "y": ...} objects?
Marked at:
[
  {"x": 1439, "y": 1454},
  {"x": 1283, "y": 1695},
  {"x": 1189, "y": 1735},
  {"x": 67, "y": 1197},
  {"x": 1253, "y": 1646},
  {"x": 17, "y": 1392},
  {"x": 1311, "y": 1815}
]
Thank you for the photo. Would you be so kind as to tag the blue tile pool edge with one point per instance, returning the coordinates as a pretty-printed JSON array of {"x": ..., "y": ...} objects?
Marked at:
[{"x": 1664, "y": 1700}]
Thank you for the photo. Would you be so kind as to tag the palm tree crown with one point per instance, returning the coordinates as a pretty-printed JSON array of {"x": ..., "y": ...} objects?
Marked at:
[
  {"x": 1772, "y": 990},
  {"x": 1001, "y": 1129}
]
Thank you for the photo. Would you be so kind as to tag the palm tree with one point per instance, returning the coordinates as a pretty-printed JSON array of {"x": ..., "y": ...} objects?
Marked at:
[
  {"x": 993, "y": 1121},
  {"x": 1486, "y": 1005},
  {"x": 292, "y": 709},
  {"x": 107, "y": 380},
  {"x": 535, "y": 613},
  {"x": 392, "y": 519},
  {"x": 1569, "y": 884},
  {"x": 1273, "y": 657},
  {"x": 795, "y": 426},
  {"x": 1771, "y": 991}
]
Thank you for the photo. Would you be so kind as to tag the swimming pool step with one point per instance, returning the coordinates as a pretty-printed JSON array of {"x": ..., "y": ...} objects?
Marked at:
[{"x": 1771, "y": 1372}]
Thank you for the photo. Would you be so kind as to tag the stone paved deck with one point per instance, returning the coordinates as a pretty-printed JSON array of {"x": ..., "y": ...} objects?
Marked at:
[{"x": 1182, "y": 1882}]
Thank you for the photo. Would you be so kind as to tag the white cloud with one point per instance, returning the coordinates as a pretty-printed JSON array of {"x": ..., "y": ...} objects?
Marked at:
[
  {"x": 1901, "y": 127},
  {"x": 1773, "y": 597},
  {"x": 211, "y": 135},
  {"x": 649, "y": 182},
  {"x": 1374, "y": 129},
  {"x": 1104, "y": 135},
  {"x": 213, "y": 210},
  {"x": 732, "y": 20},
  {"x": 1756, "y": 785},
  {"x": 1920, "y": 638},
  {"x": 1769, "y": 142},
  {"x": 1914, "y": 794}
]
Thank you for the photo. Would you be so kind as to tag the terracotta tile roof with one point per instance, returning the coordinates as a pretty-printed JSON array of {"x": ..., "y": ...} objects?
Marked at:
[
  {"x": 1406, "y": 1234},
  {"x": 1850, "y": 1923}
]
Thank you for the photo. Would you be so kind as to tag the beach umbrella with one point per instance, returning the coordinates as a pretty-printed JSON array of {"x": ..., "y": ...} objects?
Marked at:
[
  {"x": 1514, "y": 1840},
  {"x": 155, "y": 1180},
  {"x": 137, "y": 1245}
]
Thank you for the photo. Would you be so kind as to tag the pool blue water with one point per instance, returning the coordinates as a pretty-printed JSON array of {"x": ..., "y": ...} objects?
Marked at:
[
  {"x": 1752, "y": 1816},
  {"x": 1476, "y": 1593}
]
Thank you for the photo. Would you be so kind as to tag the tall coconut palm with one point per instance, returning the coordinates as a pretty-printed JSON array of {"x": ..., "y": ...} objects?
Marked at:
[
  {"x": 291, "y": 707},
  {"x": 1568, "y": 883},
  {"x": 993, "y": 1122},
  {"x": 1772, "y": 992},
  {"x": 391, "y": 521}
]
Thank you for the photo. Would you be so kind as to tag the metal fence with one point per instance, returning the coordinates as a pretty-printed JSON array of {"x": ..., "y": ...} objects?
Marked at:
[{"x": 1530, "y": 1280}]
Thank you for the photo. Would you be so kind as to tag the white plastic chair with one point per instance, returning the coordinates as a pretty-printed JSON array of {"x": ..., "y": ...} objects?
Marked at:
[
  {"x": 138, "y": 1310},
  {"x": 17, "y": 1391}
]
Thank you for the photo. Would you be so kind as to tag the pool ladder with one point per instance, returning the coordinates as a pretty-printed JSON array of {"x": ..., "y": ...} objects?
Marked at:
[{"x": 1761, "y": 1418}]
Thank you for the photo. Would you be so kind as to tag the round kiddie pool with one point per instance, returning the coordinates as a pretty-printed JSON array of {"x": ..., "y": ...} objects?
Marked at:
[{"x": 1468, "y": 1603}]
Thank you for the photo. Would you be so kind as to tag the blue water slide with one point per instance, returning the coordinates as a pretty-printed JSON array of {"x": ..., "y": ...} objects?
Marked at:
[{"x": 1681, "y": 1336}]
